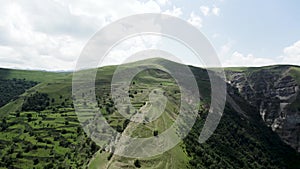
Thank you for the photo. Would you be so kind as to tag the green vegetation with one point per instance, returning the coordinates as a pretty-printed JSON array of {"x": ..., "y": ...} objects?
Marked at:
[
  {"x": 10, "y": 89},
  {"x": 31, "y": 75},
  {"x": 39, "y": 127},
  {"x": 137, "y": 164},
  {"x": 36, "y": 102},
  {"x": 295, "y": 73},
  {"x": 239, "y": 142},
  {"x": 43, "y": 139}
]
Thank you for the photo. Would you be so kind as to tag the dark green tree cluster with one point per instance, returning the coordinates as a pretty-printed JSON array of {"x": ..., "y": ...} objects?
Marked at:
[
  {"x": 17, "y": 151},
  {"x": 239, "y": 143},
  {"x": 137, "y": 164},
  {"x": 36, "y": 102},
  {"x": 10, "y": 89}
]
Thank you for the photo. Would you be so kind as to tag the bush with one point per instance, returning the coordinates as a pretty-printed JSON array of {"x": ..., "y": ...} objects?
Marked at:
[
  {"x": 110, "y": 156},
  {"x": 119, "y": 128},
  {"x": 137, "y": 164},
  {"x": 125, "y": 124},
  {"x": 35, "y": 161},
  {"x": 155, "y": 133},
  {"x": 19, "y": 155}
]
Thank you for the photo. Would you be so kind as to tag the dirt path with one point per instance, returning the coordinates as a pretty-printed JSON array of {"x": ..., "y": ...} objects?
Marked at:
[{"x": 129, "y": 128}]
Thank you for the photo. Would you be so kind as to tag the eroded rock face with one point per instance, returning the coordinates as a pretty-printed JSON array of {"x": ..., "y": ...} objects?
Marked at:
[{"x": 274, "y": 92}]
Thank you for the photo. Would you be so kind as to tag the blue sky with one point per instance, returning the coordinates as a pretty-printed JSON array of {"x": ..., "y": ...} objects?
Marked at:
[
  {"x": 262, "y": 28},
  {"x": 50, "y": 34},
  {"x": 258, "y": 28}
]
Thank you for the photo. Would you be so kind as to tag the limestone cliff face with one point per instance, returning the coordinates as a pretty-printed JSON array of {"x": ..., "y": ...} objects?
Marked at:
[{"x": 274, "y": 92}]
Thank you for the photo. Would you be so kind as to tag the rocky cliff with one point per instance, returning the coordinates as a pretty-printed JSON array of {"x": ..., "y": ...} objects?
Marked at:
[{"x": 274, "y": 91}]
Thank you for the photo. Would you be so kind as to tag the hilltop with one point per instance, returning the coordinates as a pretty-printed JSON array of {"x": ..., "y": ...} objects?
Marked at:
[{"x": 40, "y": 128}]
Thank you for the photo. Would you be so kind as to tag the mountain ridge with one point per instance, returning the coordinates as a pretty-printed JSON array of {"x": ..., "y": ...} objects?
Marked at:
[
  {"x": 156, "y": 59},
  {"x": 242, "y": 139}
]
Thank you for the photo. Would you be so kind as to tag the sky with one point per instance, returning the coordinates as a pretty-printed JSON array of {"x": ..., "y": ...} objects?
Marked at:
[{"x": 50, "y": 34}]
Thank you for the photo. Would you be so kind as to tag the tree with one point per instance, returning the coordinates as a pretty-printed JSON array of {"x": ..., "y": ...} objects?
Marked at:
[
  {"x": 109, "y": 156},
  {"x": 137, "y": 164},
  {"x": 125, "y": 124},
  {"x": 18, "y": 114},
  {"x": 128, "y": 110},
  {"x": 19, "y": 155},
  {"x": 94, "y": 146},
  {"x": 119, "y": 128},
  {"x": 36, "y": 102},
  {"x": 35, "y": 161},
  {"x": 49, "y": 166},
  {"x": 155, "y": 133}
]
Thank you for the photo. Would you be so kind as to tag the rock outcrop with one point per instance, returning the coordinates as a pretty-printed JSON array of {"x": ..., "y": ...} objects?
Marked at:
[{"x": 275, "y": 93}]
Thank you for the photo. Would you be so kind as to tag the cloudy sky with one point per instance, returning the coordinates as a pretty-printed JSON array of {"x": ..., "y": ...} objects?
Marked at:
[{"x": 50, "y": 34}]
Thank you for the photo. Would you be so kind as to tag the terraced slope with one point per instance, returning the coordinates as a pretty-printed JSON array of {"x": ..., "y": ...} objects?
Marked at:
[
  {"x": 41, "y": 135},
  {"x": 51, "y": 136}
]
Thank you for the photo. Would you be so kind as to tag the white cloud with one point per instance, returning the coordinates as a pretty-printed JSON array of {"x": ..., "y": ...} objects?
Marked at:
[
  {"x": 31, "y": 47},
  {"x": 50, "y": 34},
  {"x": 163, "y": 2},
  {"x": 226, "y": 49},
  {"x": 239, "y": 59},
  {"x": 112, "y": 9},
  {"x": 13, "y": 58},
  {"x": 205, "y": 10},
  {"x": 215, "y": 35},
  {"x": 216, "y": 11},
  {"x": 177, "y": 12},
  {"x": 195, "y": 20},
  {"x": 231, "y": 58},
  {"x": 291, "y": 54},
  {"x": 118, "y": 55}
]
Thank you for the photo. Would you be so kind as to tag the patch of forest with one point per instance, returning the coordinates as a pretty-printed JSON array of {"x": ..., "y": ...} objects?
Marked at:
[
  {"x": 10, "y": 89},
  {"x": 239, "y": 143}
]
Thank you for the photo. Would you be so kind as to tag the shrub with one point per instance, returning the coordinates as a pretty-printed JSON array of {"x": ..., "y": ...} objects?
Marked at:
[
  {"x": 35, "y": 161},
  {"x": 110, "y": 156},
  {"x": 137, "y": 164},
  {"x": 119, "y": 128},
  {"x": 155, "y": 133}
]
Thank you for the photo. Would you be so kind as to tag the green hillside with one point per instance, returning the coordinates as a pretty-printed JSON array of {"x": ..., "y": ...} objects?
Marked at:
[
  {"x": 39, "y": 127},
  {"x": 31, "y": 75}
]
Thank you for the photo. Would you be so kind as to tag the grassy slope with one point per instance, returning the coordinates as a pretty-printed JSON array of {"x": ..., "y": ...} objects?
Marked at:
[
  {"x": 232, "y": 146},
  {"x": 295, "y": 73},
  {"x": 144, "y": 83},
  {"x": 58, "y": 86},
  {"x": 55, "y": 84},
  {"x": 47, "y": 130},
  {"x": 31, "y": 75}
]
